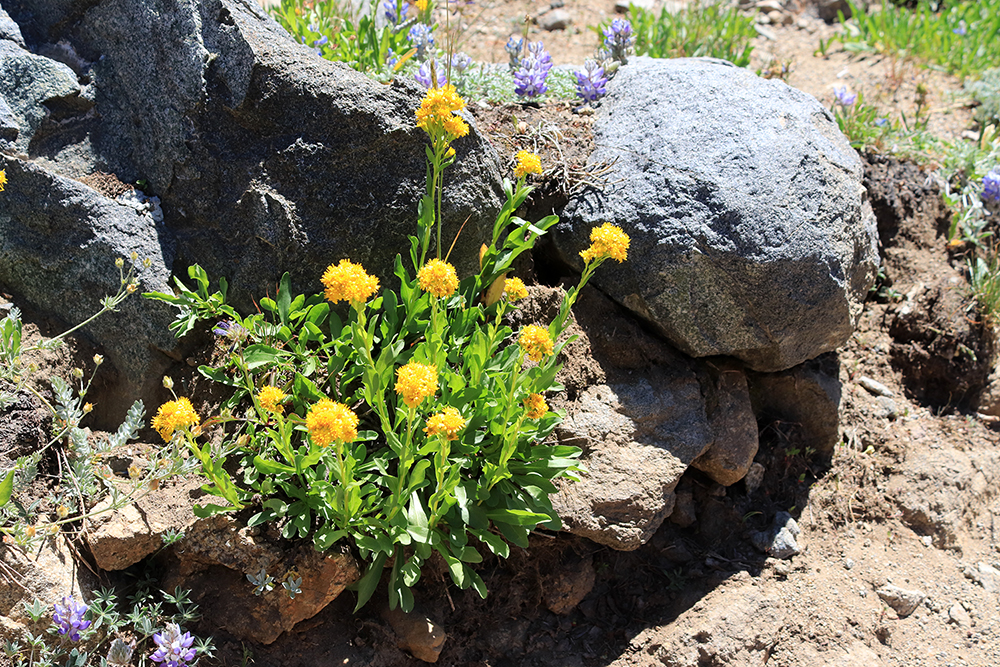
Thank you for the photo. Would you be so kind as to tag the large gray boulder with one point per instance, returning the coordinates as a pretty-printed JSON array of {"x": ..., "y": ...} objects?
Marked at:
[
  {"x": 266, "y": 157},
  {"x": 27, "y": 84},
  {"x": 751, "y": 232}
]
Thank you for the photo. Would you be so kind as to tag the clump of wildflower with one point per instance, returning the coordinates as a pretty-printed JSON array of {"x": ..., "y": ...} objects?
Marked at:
[
  {"x": 435, "y": 115},
  {"x": 174, "y": 415},
  {"x": 349, "y": 282},
  {"x": 3, "y": 179},
  {"x": 591, "y": 82},
  {"x": 68, "y": 617},
  {"x": 330, "y": 422},
  {"x": 529, "y": 79},
  {"x": 423, "y": 75},
  {"x": 535, "y": 342},
  {"x": 415, "y": 382},
  {"x": 395, "y": 13},
  {"x": 270, "y": 399},
  {"x": 173, "y": 647},
  {"x": 618, "y": 39},
  {"x": 607, "y": 241},
  {"x": 448, "y": 423},
  {"x": 527, "y": 163},
  {"x": 535, "y": 406},
  {"x": 843, "y": 97},
  {"x": 991, "y": 185},
  {"x": 513, "y": 47},
  {"x": 421, "y": 5},
  {"x": 421, "y": 36},
  {"x": 438, "y": 278},
  {"x": 514, "y": 289},
  {"x": 120, "y": 653}
]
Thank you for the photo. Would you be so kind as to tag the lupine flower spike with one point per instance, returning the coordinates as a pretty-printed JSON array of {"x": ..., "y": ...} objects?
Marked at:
[
  {"x": 423, "y": 75},
  {"x": 513, "y": 47},
  {"x": 173, "y": 647},
  {"x": 421, "y": 36},
  {"x": 68, "y": 617},
  {"x": 618, "y": 40},
  {"x": 591, "y": 82},
  {"x": 529, "y": 79},
  {"x": 991, "y": 186}
]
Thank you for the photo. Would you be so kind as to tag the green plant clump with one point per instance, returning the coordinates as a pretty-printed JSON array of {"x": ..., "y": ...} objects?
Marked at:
[
  {"x": 986, "y": 91},
  {"x": 959, "y": 36},
  {"x": 710, "y": 30},
  {"x": 415, "y": 425}
]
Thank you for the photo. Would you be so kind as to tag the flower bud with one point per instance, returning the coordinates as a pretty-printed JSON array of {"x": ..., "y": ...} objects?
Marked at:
[
  {"x": 168, "y": 382},
  {"x": 134, "y": 255},
  {"x": 88, "y": 408},
  {"x": 62, "y": 511},
  {"x": 98, "y": 360},
  {"x": 77, "y": 373},
  {"x": 120, "y": 262}
]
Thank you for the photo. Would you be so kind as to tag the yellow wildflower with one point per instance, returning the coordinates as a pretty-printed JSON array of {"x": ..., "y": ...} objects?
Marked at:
[
  {"x": 535, "y": 341},
  {"x": 330, "y": 422},
  {"x": 270, "y": 399},
  {"x": 527, "y": 163},
  {"x": 348, "y": 281},
  {"x": 535, "y": 406},
  {"x": 173, "y": 415},
  {"x": 421, "y": 5},
  {"x": 438, "y": 278},
  {"x": 514, "y": 289},
  {"x": 607, "y": 241},
  {"x": 435, "y": 117},
  {"x": 3, "y": 178},
  {"x": 447, "y": 423},
  {"x": 415, "y": 382}
]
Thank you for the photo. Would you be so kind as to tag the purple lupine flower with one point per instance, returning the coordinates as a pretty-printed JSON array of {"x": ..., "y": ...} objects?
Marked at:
[
  {"x": 423, "y": 75},
  {"x": 120, "y": 653},
  {"x": 529, "y": 79},
  {"x": 991, "y": 185},
  {"x": 460, "y": 62},
  {"x": 591, "y": 82},
  {"x": 68, "y": 616},
  {"x": 395, "y": 13},
  {"x": 513, "y": 48},
  {"x": 173, "y": 647},
  {"x": 391, "y": 59},
  {"x": 421, "y": 36},
  {"x": 881, "y": 122},
  {"x": 618, "y": 39},
  {"x": 843, "y": 97}
]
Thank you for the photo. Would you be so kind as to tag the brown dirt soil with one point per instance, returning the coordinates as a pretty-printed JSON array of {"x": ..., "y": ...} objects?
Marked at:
[{"x": 909, "y": 497}]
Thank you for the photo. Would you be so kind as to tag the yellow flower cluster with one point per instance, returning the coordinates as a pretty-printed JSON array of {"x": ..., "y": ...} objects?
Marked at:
[
  {"x": 527, "y": 163},
  {"x": 438, "y": 278},
  {"x": 348, "y": 281},
  {"x": 270, "y": 399},
  {"x": 535, "y": 341},
  {"x": 535, "y": 406},
  {"x": 415, "y": 382},
  {"x": 606, "y": 241},
  {"x": 447, "y": 423},
  {"x": 421, "y": 5},
  {"x": 330, "y": 422},
  {"x": 435, "y": 115},
  {"x": 174, "y": 415},
  {"x": 3, "y": 178},
  {"x": 514, "y": 289}
]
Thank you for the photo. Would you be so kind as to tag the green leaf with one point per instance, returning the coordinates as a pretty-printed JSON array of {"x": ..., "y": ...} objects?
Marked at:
[
  {"x": 327, "y": 536},
  {"x": 268, "y": 467},
  {"x": 205, "y": 511},
  {"x": 367, "y": 584},
  {"x": 284, "y": 298},
  {"x": 6, "y": 488},
  {"x": 260, "y": 355}
]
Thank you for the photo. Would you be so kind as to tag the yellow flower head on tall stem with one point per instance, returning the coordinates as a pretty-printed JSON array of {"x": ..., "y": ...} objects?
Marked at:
[
  {"x": 3, "y": 178},
  {"x": 174, "y": 415},
  {"x": 514, "y": 289},
  {"x": 527, "y": 163},
  {"x": 436, "y": 117},
  {"x": 415, "y": 382},
  {"x": 330, "y": 422},
  {"x": 535, "y": 406},
  {"x": 535, "y": 342},
  {"x": 270, "y": 399},
  {"x": 438, "y": 278},
  {"x": 421, "y": 5},
  {"x": 348, "y": 281},
  {"x": 607, "y": 241},
  {"x": 448, "y": 423}
]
